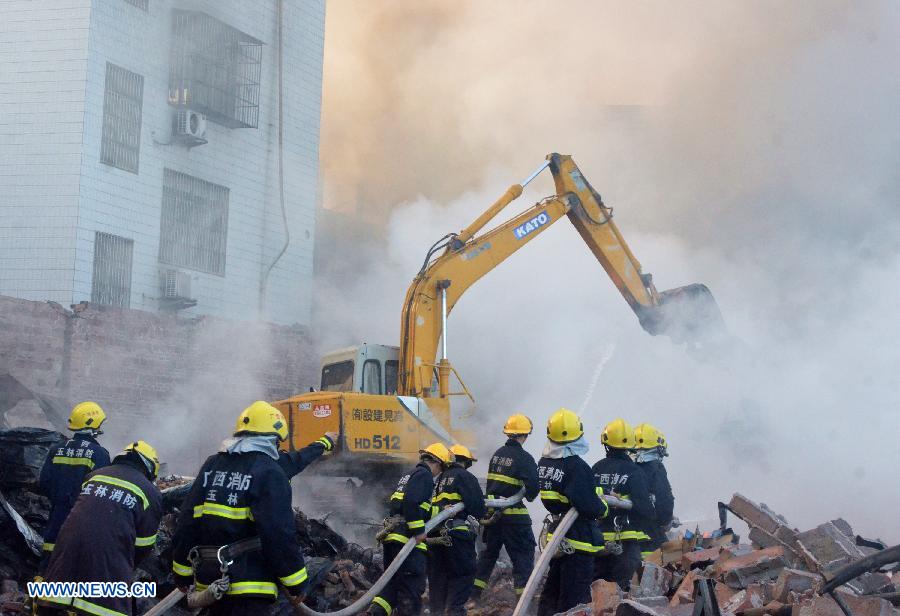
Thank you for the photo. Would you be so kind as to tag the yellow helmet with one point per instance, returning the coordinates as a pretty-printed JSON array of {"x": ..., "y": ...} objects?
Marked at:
[
  {"x": 261, "y": 418},
  {"x": 564, "y": 426},
  {"x": 147, "y": 453},
  {"x": 647, "y": 436},
  {"x": 461, "y": 451},
  {"x": 618, "y": 434},
  {"x": 438, "y": 451},
  {"x": 86, "y": 415},
  {"x": 517, "y": 425}
]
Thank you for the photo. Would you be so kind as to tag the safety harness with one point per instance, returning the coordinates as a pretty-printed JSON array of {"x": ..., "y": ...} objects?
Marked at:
[
  {"x": 395, "y": 522},
  {"x": 224, "y": 556},
  {"x": 566, "y": 547}
]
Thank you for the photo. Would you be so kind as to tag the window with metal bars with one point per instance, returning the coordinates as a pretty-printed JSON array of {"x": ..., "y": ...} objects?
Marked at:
[
  {"x": 194, "y": 226},
  {"x": 111, "y": 282},
  {"x": 215, "y": 70},
  {"x": 122, "y": 102},
  {"x": 144, "y": 5}
]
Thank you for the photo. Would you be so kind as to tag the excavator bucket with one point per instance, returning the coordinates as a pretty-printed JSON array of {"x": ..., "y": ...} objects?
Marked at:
[{"x": 685, "y": 314}]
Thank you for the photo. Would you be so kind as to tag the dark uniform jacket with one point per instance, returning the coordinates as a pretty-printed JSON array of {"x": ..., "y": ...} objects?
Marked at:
[
  {"x": 618, "y": 473},
  {"x": 454, "y": 485},
  {"x": 62, "y": 475},
  {"x": 293, "y": 462},
  {"x": 566, "y": 483},
  {"x": 412, "y": 500},
  {"x": 242, "y": 496},
  {"x": 512, "y": 468},
  {"x": 111, "y": 528},
  {"x": 660, "y": 494}
]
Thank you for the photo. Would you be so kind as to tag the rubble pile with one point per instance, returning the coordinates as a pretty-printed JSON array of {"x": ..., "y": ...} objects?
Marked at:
[
  {"x": 340, "y": 571},
  {"x": 780, "y": 572}
]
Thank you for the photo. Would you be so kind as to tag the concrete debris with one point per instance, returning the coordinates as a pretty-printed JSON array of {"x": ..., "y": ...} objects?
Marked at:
[
  {"x": 699, "y": 559},
  {"x": 778, "y": 574},
  {"x": 767, "y": 528},
  {"x": 605, "y": 597},
  {"x": 757, "y": 566},
  {"x": 794, "y": 581},
  {"x": 655, "y": 581}
]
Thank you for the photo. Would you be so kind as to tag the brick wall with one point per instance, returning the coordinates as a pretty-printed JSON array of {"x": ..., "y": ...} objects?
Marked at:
[{"x": 178, "y": 383}]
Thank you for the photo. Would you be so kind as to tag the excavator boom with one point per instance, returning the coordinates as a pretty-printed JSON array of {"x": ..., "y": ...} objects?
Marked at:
[
  {"x": 385, "y": 421},
  {"x": 684, "y": 313}
]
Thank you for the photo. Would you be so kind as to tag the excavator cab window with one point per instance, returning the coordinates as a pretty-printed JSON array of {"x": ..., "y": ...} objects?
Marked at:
[
  {"x": 391, "y": 368},
  {"x": 371, "y": 379},
  {"x": 338, "y": 376}
]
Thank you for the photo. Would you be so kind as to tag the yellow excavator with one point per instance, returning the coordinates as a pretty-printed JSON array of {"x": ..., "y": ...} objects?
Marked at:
[{"x": 388, "y": 402}]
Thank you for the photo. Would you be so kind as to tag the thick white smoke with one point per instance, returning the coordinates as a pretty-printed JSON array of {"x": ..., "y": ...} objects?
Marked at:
[{"x": 762, "y": 161}]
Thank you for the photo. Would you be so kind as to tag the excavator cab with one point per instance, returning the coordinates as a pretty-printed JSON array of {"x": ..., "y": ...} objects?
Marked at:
[{"x": 367, "y": 369}]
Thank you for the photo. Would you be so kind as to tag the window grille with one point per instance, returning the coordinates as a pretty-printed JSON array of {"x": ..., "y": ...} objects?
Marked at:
[
  {"x": 111, "y": 283},
  {"x": 215, "y": 70},
  {"x": 194, "y": 225},
  {"x": 144, "y": 5},
  {"x": 122, "y": 101}
]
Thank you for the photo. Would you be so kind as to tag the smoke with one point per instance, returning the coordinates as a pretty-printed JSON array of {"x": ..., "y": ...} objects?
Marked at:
[{"x": 752, "y": 147}]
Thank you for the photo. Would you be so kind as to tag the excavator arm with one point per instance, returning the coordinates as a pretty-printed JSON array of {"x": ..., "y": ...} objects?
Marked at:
[{"x": 442, "y": 280}]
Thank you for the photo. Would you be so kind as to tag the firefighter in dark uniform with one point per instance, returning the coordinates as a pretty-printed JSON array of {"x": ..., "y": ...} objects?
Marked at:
[
  {"x": 65, "y": 467},
  {"x": 242, "y": 495},
  {"x": 618, "y": 475},
  {"x": 451, "y": 568},
  {"x": 111, "y": 528},
  {"x": 566, "y": 481},
  {"x": 412, "y": 501},
  {"x": 651, "y": 448},
  {"x": 511, "y": 468}
]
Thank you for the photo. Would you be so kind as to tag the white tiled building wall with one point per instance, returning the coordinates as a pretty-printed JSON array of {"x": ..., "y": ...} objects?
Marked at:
[{"x": 55, "y": 193}]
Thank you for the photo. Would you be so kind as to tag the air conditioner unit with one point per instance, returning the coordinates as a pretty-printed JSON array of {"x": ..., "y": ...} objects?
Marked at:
[
  {"x": 175, "y": 284},
  {"x": 189, "y": 127}
]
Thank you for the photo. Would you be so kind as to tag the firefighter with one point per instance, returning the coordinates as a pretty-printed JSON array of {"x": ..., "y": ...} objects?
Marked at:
[
  {"x": 452, "y": 567},
  {"x": 511, "y": 468},
  {"x": 412, "y": 501},
  {"x": 618, "y": 475},
  {"x": 651, "y": 448},
  {"x": 241, "y": 503},
  {"x": 65, "y": 467},
  {"x": 111, "y": 528},
  {"x": 566, "y": 481}
]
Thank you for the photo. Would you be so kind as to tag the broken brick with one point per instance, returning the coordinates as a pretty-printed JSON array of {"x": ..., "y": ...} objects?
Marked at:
[
  {"x": 756, "y": 515},
  {"x": 860, "y": 606},
  {"x": 724, "y": 593},
  {"x": 793, "y": 580},
  {"x": 629, "y": 607},
  {"x": 655, "y": 581},
  {"x": 685, "y": 592},
  {"x": 699, "y": 558},
  {"x": 605, "y": 597},
  {"x": 826, "y": 548},
  {"x": 746, "y": 599},
  {"x": 757, "y": 566}
]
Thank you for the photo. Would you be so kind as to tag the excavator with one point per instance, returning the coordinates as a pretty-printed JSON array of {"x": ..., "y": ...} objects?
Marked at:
[{"x": 388, "y": 402}]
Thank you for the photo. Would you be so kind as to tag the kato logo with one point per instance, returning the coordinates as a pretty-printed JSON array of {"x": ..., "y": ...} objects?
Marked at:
[
  {"x": 322, "y": 410},
  {"x": 531, "y": 226}
]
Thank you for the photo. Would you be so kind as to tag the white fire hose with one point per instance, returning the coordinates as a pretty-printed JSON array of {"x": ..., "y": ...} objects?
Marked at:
[
  {"x": 363, "y": 602},
  {"x": 543, "y": 563}
]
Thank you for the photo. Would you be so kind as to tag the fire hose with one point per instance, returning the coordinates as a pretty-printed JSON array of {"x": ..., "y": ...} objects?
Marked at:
[
  {"x": 543, "y": 563},
  {"x": 363, "y": 602}
]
